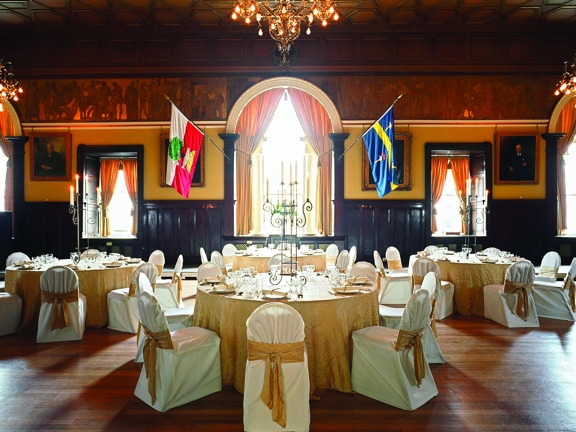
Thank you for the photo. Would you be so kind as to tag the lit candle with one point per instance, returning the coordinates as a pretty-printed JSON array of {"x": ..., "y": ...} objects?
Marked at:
[
  {"x": 296, "y": 172},
  {"x": 290, "y": 172},
  {"x": 98, "y": 196},
  {"x": 267, "y": 189},
  {"x": 71, "y": 195},
  {"x": 86, "y": 185},
  {"x": 468, "y": 187},
  {"x": 77, "y": 177},
  {"x": 487, "y": 192},
  {"x": 281, "y": 172},
  {"x": 476, "y": 188}
]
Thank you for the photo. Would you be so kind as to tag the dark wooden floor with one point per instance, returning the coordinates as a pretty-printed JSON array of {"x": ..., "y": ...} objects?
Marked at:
[{"x": 494, "y": 378}]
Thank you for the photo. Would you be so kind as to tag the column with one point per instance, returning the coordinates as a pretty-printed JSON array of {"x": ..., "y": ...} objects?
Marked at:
[
  {"x": 18, "y": 218},
  {"x": 551, "y": 188},
  {"x": 229, "y": 212},
  {"x": 338, "y": 142}
]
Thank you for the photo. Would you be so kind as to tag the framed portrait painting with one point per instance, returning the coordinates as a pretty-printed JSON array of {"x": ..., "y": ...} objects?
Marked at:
[
  {"x": 402, "y": 146},
  {"x": 197, "y": 178},
  {"x": 50, "y": 157},
  {"x": 516, "y": 159}
]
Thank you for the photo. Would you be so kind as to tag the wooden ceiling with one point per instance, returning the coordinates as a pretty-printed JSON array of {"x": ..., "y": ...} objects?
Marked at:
[{"x": 371, "y": 16}]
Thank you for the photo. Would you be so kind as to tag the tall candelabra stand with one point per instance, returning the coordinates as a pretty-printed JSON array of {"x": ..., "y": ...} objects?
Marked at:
[
  {"x": 481, "y": 216},
  {"x": 466, "y": 216},
  {"x": 284, "y": 215},
  {"x": 73, "y": 210}
]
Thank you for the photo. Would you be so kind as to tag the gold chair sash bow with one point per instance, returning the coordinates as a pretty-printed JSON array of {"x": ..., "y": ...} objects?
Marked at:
[
  {"x": 570, "y": 285},
  {"x": 522, "y": 289},
  {"x": 272, "y": 389},
  {"x": 433, "y": 319},
  {"x": 177, "y": 279},
  {"x": 59, "y": 315},
  {"x": 417, "y": 280},
  {"x": 549, "y": 272},
  {"x": 407, "y": 339},
  {"x": 162, "y": 340},
  {"x": 395, "y": 264},
  {"x": 160, "y": 268},
  {"x": 132, "y": 292}
]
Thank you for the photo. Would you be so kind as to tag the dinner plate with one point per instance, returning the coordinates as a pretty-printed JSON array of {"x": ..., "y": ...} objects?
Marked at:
[
  {"x": 488, "y": 261},
  {"x": 275, "y": 296},
  {"x": 358, "y": 280},
  {"x": 112, "y": 264},
  {"x": 348, "y": 291},
  {"x": 133, "y": 260},
  {"x": 223, "y": 288}
]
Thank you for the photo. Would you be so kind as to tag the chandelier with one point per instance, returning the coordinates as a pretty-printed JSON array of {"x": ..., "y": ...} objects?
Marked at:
[
  {"x": 567, "y": 84},
  {"x": 284, "y": 18},
  {"x": 9, "y": 87}
]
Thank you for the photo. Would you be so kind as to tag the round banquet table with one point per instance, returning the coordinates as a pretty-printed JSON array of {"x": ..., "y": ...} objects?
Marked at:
[
  {"x": 260, "y": 260},
  {"x": 329, "y": 322},
  {"x": 95, "y": 284},
  {"x": 469, "y": 277}
]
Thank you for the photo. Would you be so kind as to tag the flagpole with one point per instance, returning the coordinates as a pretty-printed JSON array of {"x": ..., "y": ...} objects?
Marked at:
[
  {"x": 206, "y": 136},
  {"x": 364, "y": 133}
]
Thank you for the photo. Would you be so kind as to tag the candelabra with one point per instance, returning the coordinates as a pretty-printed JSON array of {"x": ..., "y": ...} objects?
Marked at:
[
  {"x": 284, "y": 215},
  {"x": 473, "y": 204},
  {"x": 73, "y": 210}
]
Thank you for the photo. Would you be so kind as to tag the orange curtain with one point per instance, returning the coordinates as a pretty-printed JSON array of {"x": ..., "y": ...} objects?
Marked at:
[
  {"x": 316, "y": 125},
  {"x": 439, "y": 172},
  {"x": 251, "y": 127},
  {"x": 108, "y": 176},
  {"x": 461, "y": 172},
  {"x": 567, "y": 123},
  {"x": 131, "y": 179},
  {"x": 7, "y": 129}
]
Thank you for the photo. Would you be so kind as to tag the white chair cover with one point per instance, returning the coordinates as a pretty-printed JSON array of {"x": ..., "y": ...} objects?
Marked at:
[
  {"x": 203, "y": 256},
  {"x": 445, "y": 303},
  {"x": 217, "y": 258},
  {"x": 90, "y": 253},
  {"x": 364, "y": 268},
  {"x": 549, "y": 267},
  {"x": 157, "y": 258},
  {"x": 382, "y": 373},
  {"x": 277, "y": 258},
  {"x": 206, "y": 270},
  {"x": 276, "y": 323},
  {"x": 342, "y": 261},
  {"x": 431, "y": 248},
  {"x": 331, "y": 254},
  {"x": 352, "y": 257},
  {"x": 177, "y": 318},
  {"x": 394, "y": 260},
  {"x": 491, "y": 250},
  {"x": 553, "y": 298},
  {"x": 61, "y": 280},
  {"x": 395, "y": 287},
  {"x": 168, "y": 291},
  {"x": 123, "y": 307},
  {"x": 228, "y": 252},
  {"x": 10, "y": 312},
  {"x": 431, "y": 348},
  {"x": 16, "y": 257},
  {"x": 501, "y": 307},
  {"x": 188, "y": 371}
]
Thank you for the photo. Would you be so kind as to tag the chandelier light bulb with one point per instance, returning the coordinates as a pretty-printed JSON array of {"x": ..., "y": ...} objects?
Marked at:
[
  {"x": 247, "y": 20},
  {"x": 15, "y": 98},
  {"x": 308, "y": 31},
  {"x": 273, "y": 26},
  {"x": 234, "y": 16},
  {"x": 283, "y": 10},
  {"x": 336, "y": 16},
  {"x": 237, "y": 9},
  {"x": 1, "y": 87},
  {"x": 568, "y": 91},
  {"x": 3, "y": 94},
  {"x": 557, "y": 92},
  {"x": 252, "y": 7},
  {"x": 258, "y": 16},
  {"x": 260, "y": 33},
  {"x": 331, "y": 9},
  {"x": 324, "y": 23},
  {"x": 311, "y": 17},
  {"x": 563, "y": 86},
  {"x": 315, "y": 11}
]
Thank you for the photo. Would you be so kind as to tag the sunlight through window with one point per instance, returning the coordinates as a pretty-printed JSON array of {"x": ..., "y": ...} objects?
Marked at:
[
  {"x": 570, "y": 170},
  {"x": 3, "y": 168},
  {"x": 120, "y": 209},
  {"x": 448, "y": 209}
]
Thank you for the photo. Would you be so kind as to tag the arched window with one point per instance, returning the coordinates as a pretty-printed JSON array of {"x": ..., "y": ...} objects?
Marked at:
[
  {"x": 566, "y": 171},
  {"x": 569, "y": 166}
]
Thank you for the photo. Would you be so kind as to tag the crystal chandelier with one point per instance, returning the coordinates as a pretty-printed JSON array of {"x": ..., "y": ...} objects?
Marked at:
[
  {"x": 567, "y": 84},
  {"x": 284, "y": 18},
  {"x": 9, "y": 87}
]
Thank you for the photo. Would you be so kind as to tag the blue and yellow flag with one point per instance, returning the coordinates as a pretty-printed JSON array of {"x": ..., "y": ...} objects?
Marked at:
[{"x": 379, "y": 142}]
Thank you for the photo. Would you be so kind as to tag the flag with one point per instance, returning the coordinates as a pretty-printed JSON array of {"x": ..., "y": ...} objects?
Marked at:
[
  {"x": 379, "y": 142},
  {"x": 185, "y": 143}
]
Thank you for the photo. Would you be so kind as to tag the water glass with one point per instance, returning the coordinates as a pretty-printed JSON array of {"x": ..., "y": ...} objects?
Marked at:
[{"x": 308, "y": 270}]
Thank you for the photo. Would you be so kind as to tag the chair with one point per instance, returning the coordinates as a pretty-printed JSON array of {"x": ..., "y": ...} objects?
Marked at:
[
  {"x": 90, "y": 253},
  {"x": 203, "y": 256},
  {"x": 228, "y": 252},
  {"x": 390, "y": 365},
  {"x": 395, "y": 287},
  {"x": 394, "y": 260},
  {"x": 557, "y": 300},
  {"x": 432, "y": 350},
  {"x": 331, "y": 254},
  {"x": 276, "y": 331},
  {"x": 63, "y": 310},
  {"x": 10, "y": 313},
  {"x": 352, "y": 257},
  {"x": 364, "y": 268},
  {"x": 123, "y": 303},
  {"x": 342, "y": 261},
  {"x": 277, "y": 258},
  {"x": 180, "y": 366},
  {"x": 177, "y": 318},
  {"x": 491, "y": 251},
  {"x": 157, "y": 258},
  {"x": 430, "y": 249},
  {"x": 549, "y": 267},
  {"x": 169, "y": 291},
  {"x": 512, "y": 304},
  {"x": 15, "y": 257},
  {"x": 208, "y": 269},
  {"x": 445, "y": 303},
  {"x": 217, "y": 258}
]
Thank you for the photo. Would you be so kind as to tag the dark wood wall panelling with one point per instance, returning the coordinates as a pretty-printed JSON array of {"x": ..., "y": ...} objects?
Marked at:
[{"x": 177, "y": 53}]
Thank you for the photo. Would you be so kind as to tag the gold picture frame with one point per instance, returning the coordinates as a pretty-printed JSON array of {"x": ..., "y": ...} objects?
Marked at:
[
  {"x": 50, "y": 157},
  {"x": 403, "y": 146},
  {"x": 516, "y": 159},
  {"x": 198, "y": 180}
]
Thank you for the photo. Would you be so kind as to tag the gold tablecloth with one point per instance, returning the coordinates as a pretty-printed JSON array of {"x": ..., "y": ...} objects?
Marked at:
[
  {"x": 329, "y": 322},
  {"x": 260, "y": 262},
  {"x": 95, "y": 284},
  {"x": 469, "y": 280}
]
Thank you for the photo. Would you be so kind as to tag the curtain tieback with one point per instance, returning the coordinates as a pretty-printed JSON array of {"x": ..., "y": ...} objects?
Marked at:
[
  {"x": 272, "y": 389},
  {"x": 395, "y": 264},
  {"x": 162, "y": 340},
  {"x": 522, "y": 289},
  {"x": 408, "y": 339},
  {"x": 59, "y": 316}
]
